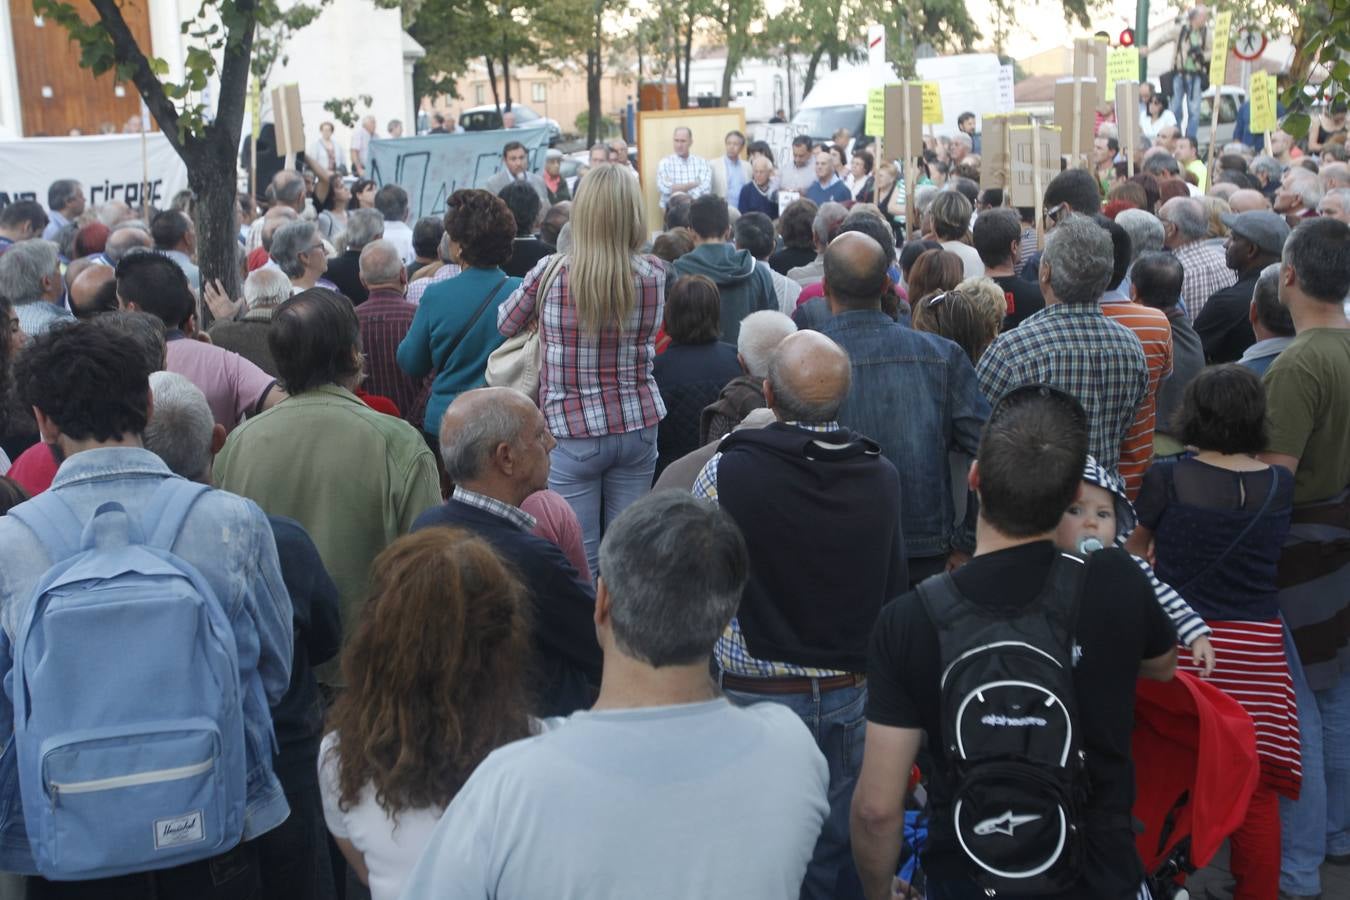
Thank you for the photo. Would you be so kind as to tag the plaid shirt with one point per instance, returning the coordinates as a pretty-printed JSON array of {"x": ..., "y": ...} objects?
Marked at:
[
  {"x": 672, "y": 171},
  {"x": 1076, "y": 348},
  {"x": 1204, "y": 273},
  {"x": 513, "y": 514},
  {"x": 384, "y": 320},
  {"x": 731, "y": 652},
  {"x": 419, "y": 287},
  {"x": 592, "y": 385}
]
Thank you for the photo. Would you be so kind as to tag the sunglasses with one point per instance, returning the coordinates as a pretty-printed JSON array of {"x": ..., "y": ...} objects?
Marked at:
[
  {"x": 1053, "y": 213},
  {"x": 937, "y": 298}
]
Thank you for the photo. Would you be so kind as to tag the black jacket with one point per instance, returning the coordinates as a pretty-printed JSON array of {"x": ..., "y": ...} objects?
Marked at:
[
  {"x": 1223, "y": 326},
  {"x": 344, "y": 270}
]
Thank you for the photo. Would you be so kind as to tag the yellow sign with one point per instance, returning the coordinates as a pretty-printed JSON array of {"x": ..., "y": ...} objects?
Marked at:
[
  {"x": 875, "y": 124},
  {"x": 932, "y": 103},
  {"x": 253, "y": 106},
  {"x": 1223, "y": 23},
  {"x": 1263, "y": 110},
  {"x": 1122, "y": 64}
]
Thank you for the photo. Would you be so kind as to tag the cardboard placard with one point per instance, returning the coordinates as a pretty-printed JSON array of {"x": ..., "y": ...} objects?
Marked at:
[
  {"x": 1261, "y": 90},
  {"x": 997, "y": 147},
  {"x": 1074, "y": 114},
  {"x": 1127, "y": 120},
  {"x": 289, "y": 123},
  {"x": 904, "y": 137},
  {"x": 1218, "y": 60},
  {"x": 875, "y": 124},
  {"x": 1089, "y": 61},
  {"x": 786, "y": 199},
  {"x": 1122, "y": 64},
  {"x": 1035, "y": 161},
  {"x": 1006, "y": 98},
  {"x": 932, "y": 103}
]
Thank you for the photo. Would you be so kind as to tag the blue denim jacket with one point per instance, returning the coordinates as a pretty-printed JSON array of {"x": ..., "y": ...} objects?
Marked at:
[
  {"x": 916, "y": 395},
  {"x": 230, "y": 542}
]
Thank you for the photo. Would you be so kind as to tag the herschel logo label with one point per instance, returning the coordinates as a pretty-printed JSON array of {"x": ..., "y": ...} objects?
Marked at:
[{"x": 179, "y": 830}]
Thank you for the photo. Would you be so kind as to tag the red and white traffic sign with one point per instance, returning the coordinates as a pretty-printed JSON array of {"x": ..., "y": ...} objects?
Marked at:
[{"x": 1249, "y": 44}]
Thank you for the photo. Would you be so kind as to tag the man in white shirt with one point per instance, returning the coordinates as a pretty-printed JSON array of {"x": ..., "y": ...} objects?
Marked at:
[
  {"x": 392, "y": 202},
  {"x": 360, "y": 149},
  {"x": 731, "y": 173},
  {"x": 799, "y": 173},
  {"x": 607, "y": 804},
  {"x": 681, "y": 172}
]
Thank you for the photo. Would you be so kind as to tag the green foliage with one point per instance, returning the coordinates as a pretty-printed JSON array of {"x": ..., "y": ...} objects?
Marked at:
[
  {"x": 344, "y": 108},
  {"x": 606, "y": 127}
]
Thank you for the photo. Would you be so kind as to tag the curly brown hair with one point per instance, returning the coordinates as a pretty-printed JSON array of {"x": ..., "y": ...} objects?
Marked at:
[
  {"x": 933, "y": 271},
  {"x": 482, "y": 226},
  {"x": 435, "y": 671}
]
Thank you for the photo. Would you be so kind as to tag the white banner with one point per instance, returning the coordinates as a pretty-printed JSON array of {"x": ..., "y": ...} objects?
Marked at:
[{"x": 108, "y": 166}]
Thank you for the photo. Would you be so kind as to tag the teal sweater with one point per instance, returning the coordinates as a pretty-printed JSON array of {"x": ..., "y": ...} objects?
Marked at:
[{"x": 446, "y": 309}]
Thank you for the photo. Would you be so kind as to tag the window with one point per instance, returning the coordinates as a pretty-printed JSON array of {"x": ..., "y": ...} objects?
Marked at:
[
  {"x": 539, "y": 92},
  {"x": 480, "y": 94}
]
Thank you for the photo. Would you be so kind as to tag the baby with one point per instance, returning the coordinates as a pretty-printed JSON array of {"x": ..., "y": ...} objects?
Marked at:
[{"x": 1102, "y": 516}]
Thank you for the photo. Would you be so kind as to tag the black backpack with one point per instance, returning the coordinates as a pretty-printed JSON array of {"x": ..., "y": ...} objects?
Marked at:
[{"x": 1010, "y": 729}]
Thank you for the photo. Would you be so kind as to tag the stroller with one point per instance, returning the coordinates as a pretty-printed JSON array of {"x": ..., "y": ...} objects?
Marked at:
[{"x": 1195, "y": 770}]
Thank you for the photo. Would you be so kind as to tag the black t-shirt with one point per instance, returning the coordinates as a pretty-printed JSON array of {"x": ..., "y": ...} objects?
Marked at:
[
  {"x": 1024, "y": 299},
  {"x": 790, "y": 258},
  {"x": 1119, "y": 624}
]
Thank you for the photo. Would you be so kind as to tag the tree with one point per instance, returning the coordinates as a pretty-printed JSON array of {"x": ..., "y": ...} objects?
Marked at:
[
  {"x": 1320, "y": 24},
  {"x": 734, "y": 21}
]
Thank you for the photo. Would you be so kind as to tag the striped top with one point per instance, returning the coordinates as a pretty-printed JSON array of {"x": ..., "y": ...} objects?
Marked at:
[{"x": 1155, "y": 336}]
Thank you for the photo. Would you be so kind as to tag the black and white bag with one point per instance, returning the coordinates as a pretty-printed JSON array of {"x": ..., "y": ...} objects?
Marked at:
[{"x": 1010, "y": 729}]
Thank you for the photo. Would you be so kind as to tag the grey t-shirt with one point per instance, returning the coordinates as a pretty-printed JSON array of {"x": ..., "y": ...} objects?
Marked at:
[{"x": 698, "y": 800}]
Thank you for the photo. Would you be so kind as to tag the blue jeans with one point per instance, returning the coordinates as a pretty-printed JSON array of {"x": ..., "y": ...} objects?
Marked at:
[
  {"x": 600, "y": 477},
  {"x": 1318, "y": 823},
  {"x": 837, "y": 723},
  {"x": 1187, "y": 87}
]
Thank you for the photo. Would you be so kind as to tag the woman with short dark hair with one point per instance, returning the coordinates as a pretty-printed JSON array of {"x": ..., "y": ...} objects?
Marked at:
[
  {"x": 694, "y": 368},
  {"x": 1217, "y": 522},
  {"x": 794, "y": 227},
  {"x": 455, "y": 327}
]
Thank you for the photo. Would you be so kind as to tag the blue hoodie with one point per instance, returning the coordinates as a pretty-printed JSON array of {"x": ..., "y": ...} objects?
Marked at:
[{"x": 746, "y": 286}]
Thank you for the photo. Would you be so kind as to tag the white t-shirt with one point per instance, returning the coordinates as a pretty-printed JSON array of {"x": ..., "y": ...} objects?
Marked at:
[
  {"x": 664, "y": 803},
  {"x": 401, "y": 236},
  {"x": 970, "y": 258},
  {"x": 390, "y": 852}
]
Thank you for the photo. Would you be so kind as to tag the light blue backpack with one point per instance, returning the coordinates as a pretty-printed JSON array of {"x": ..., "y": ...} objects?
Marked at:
[{"x": 128, "y": 714}]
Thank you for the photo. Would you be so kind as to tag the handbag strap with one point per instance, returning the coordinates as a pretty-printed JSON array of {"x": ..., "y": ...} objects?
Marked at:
[
  {"x": 478, "y": 313},
  {"x": 1265, "y": 504},
  {"x": 546, "y": 280}
]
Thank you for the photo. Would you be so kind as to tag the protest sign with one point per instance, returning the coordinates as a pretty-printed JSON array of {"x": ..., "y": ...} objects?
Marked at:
[
  {"x": 1074, "y": 114},
  {"x": 1122, "y": 64},
  {"x": 1218, "y": 60},
  {"x": 1089, "y": 61},
  {"x": 109, "y": 167},
  {"x": 1127, "y": 120},
  {"x": 433, "y": 166},
  {"x": 779, "y": 138},
  {"x": 997, "y": 147},
  {"x": 290, "y": 126},
  {"x": 1261, "y": 91},
  {"x": 875, "y": 123},
  {"x": 932, "y": 103},
  {"x": 904, "y": 135}
]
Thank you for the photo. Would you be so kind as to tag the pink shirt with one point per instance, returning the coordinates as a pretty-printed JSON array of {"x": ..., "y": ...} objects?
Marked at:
[
  {"x": 233, "y": 386},
  {"x": 556, "y": 522}
]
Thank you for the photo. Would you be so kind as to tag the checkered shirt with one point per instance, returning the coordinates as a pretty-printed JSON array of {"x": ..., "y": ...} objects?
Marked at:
[
  {"x": 384, "y": 320},
  {"x": 1076, "y": 348},
  {"x": 592, "y": 385},
  {"x": 672, "y": 171},
  {"x": 513, "y": 514},
  {"x": 1204, "y": 273},
  {"x": 419, "y": 287},
  {"x": 732, "y": 654}
]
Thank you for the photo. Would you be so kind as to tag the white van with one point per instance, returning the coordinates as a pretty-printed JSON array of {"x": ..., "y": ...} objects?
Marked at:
[{"x": 837, "y": 100}]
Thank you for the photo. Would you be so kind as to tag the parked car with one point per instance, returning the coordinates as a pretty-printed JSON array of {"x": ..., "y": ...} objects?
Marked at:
[{"x": 487, "y": 118}]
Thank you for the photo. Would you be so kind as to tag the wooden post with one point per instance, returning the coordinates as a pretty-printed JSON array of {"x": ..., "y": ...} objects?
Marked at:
[
  {"x": 145, "y": 174},
  {"x": 1036, "y": 185},
  {"x": 911, "y": 226}
]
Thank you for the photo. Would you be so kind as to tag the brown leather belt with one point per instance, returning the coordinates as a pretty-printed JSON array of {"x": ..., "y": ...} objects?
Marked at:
[{"x": 790, "y": 685}]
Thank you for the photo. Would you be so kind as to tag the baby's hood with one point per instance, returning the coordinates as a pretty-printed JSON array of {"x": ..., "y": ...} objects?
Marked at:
[{"x": 1097, "y": 474}]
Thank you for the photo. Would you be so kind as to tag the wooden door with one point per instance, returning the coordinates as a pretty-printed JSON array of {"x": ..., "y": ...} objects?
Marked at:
[{"x": 55, "y": 93}]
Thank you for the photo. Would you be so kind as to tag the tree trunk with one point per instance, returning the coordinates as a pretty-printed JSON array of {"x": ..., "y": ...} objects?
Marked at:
[
  {"x": 217, "y": 238},
  {"x": 594, "y": 72},
  {"x": 492, "y": 80},
  {"x": 506, "y": 76},
  {"x": 810, "y": 80}
]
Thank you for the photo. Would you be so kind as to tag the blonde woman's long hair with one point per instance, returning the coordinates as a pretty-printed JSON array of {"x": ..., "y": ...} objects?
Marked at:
[{"x": 607, "y": 226}]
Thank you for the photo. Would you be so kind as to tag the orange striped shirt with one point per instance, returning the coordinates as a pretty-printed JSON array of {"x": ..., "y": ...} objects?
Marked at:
[{"x": 1155, "y": 334}]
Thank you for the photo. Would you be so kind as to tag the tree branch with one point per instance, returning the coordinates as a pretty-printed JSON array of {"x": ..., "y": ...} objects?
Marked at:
[
  {"x": 128, "y": 53},
  {"x": 234, "y": 75}
]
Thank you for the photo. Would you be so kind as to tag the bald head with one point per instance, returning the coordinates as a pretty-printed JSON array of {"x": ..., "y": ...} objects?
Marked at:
[
  {"x": 808, "y": 379},
  {"x": 491, "y": 442},
  {"x": 89, "y": 294},
  {"x": 855, "y": 272},
  {"x": 381, "y": 267},
  {"x": 1247, "y": 200},
  {"x": 125, "y": 239}
]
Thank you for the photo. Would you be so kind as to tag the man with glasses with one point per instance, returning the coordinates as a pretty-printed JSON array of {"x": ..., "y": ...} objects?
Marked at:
[
  {"x": 298, "y": 251},
  {"x": 1186, "y": 234},
  {"x": 1071, "y": 191}
]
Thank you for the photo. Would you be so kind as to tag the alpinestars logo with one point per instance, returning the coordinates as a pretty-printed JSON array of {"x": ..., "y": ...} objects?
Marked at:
[
  {"x": 1001, "y": 721},
  {"x": 1004, "y": 824}
]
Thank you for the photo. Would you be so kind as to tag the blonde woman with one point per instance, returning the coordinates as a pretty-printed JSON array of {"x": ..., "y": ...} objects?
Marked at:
[{"x": 597, "y": 324}]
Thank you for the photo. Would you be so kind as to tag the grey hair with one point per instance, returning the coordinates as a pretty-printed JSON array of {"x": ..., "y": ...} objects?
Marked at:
[
  {"x": 364, "y": 226},
  {"x": 1333, "y": 176},
  {"x": 1266, "y": 300},
  {"x": 266, "y": 287},
  {"x": 289, "y": 241},
  {"x": 288, "y": 186},
  {"x": 829, "y": 215},
  {"x": 181, "y": 428},
  {"x": 1343, "y": 194},
  {"x": 1081, "y": 259},
  {"x": 923, "y": 197},
  {"x": 761, "y": 333},
  {"x": 1145, "y": 230},
  {"x": 112, "y": 212},
  {"x": 61, "y": 192},
  {"x": 793, "y": 408},
  {"x": 380, "y": 262},
  {"x": 144, "y": 330},
  {"x": 564, "y": 245},
  {"x": 23, "y": 267},
  {"x": 124, "y": 239},
  {"x": 962, "y": 138},
  {"x": 1162, "y": 164},
  {"x": 1189, "y": 216},
  {"x": 674, "y": 567},
  {"x": 1304, "y": 185},
  {"x": 1267, "y": 164},
  {"x": 466, "y": 451}
]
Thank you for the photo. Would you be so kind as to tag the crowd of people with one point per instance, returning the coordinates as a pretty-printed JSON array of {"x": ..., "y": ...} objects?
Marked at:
[{"x": 554, "y": 556}]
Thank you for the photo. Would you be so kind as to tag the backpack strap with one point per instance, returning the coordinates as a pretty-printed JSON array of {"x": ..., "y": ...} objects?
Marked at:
[
  {"x": 168, "y": 509},
  {"x": 1062, "y": 595},
  {"x": 53, "y": 523}
]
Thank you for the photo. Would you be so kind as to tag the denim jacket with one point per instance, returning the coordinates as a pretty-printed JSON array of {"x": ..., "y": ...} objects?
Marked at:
[
  {"x": 916, "y": 395},
  {"x": 230, "y": 542}
]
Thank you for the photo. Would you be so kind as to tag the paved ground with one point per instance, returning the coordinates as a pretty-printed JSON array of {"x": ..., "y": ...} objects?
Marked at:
[{"x": 1335, "y": 880}]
